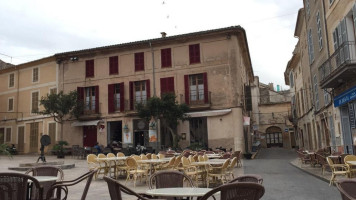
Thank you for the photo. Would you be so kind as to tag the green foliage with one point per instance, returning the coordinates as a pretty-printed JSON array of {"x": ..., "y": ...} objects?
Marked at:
[
  {"x": 59, "y": 145},
  {"x": 61, "y": 106},
  {"x": 4, "y": 151}
]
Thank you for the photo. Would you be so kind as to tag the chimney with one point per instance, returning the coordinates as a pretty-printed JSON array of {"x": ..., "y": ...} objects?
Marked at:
[
  {"x": 164, "y": 34},
  {"x": 270, "y": 85}
]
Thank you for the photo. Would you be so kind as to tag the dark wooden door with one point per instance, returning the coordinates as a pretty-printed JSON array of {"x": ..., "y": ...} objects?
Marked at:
[
  {"x": 89, "y": 136},
  {"x": 20, "y": 139},
  {"x": 198, "y": 131}
]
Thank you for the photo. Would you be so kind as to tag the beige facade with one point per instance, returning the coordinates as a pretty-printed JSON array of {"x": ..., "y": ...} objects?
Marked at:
[
  {"x": 213, "y": 86},
  {"x": 23, "y": 87}
]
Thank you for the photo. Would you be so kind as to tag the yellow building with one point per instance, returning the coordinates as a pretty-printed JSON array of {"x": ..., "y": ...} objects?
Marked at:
[{"x": 23, "y": 85}]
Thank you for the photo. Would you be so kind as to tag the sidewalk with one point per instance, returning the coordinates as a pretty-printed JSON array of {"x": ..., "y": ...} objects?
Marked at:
[{"x": 314, "y": 171}]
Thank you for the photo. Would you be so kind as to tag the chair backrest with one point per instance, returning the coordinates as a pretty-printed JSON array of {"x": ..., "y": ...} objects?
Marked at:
[
  {"x": 191, "y": 159},
  {"x": 91, "y": 158},
  {"x": 136, "y": 157},
  {"x": 101, "y": 155},
  {"x": 161, "y": 156},
  {"x": 144, "y": 157},
  {"x": 330, "y": 161},
  {"x": 200, "y": 158},
  {"x": 252, "y": 178},
  {"x": 233, "y": 163},
  {"x": 13, "y": 186},
  {"x": 115, "y": 189},
  {"x": 168, "y": 179},
  {"x": 131, "y": 163},
  {"x": 110, "y": 155},
  {"x": 196, "y": 158},
  {"x": 154, "y": 156},
  {"x": 238, "y": 191},
  {"x": 349, "y": 158},
  {"x": 172, "y": 161},
  {"x": 226, "y": 164},
  {"x": 120, "y": 154},
  {"x": 148, "y": 156},
  {"x": 205, "y": 157},
  {"x": 62, "y": 186},
  {"x": 177, "y": 161},
  {"x": 185, "y": 161},
  {"x": 346, "y": 188}
]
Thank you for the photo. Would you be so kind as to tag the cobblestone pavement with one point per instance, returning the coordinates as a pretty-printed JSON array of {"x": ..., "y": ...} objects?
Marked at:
[{"x": 98, "y": 188}]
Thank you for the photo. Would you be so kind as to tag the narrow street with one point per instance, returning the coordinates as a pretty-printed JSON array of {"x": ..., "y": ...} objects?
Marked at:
[{"x": 284, "y": 181}]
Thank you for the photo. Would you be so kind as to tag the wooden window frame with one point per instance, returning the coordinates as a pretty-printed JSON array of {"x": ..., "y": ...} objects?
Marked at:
[
  {"x": 166, "y": 58},
  {"x": 113, "y": 65},
  {"x": 35, "y": 74},
  {"x": 11, "y": 80},
  {"x": 10, "y": 108},
  {"x": 139, "y": 61},
  {"x": 8, "y": 136},
  {"x": 32, "y": 103},
  {"x": 194, "y": 53},
  {"x": 89, "y": 68}
]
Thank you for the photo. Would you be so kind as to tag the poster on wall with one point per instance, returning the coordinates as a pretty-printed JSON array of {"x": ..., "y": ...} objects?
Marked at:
[
  {"x": 246, "y": 121},
  {"x": 152, "y": 135},
  {"x": 127, "y": 137}
]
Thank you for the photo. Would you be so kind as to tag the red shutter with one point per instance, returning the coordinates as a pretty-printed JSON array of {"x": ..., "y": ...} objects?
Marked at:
[
  {"x": 122, "y": 97},
  {"x": 166, "y": 60},
  {"x": 96, "y": 99},
  {"x": 206, "y": 91},
  {"x": 80, "y": 91},
  {"x": 111, "y": 103},
  {"x": 194, "y": 53},
  {"x": 89, "y": 68},
  {"x": 169, "y": 58},
  {"x": 131, "y": 95},
  {"x": 170, "y": 85},
  {"x": 148, "y": 88},
  {"x": 163, "y": 86},
  {"x": 186, "y": 88},
  {"x": 114, "y": 65},
  {"x": 139, "y": 61}
]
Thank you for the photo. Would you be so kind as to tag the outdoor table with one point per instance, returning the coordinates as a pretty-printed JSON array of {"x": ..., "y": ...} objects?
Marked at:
[
  {"x": 153, "y": 162},
  {"x": 111, "y": 159},
  {"x": 178, "y": 192},
  {"x": 210, "y": 162},
  {"x": 352, "y": 162},
  {"x": 40, "y": 179},
  {"x": 212, "y": 156},
  {"x": 335, "y": 158}
]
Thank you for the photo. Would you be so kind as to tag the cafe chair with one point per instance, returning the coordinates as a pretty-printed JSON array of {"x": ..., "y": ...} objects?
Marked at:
[
  {"x": 190, "y": 170},
  {"x": 169, "y": 179},
  {"x": 336, "y": 169},
  {"x": 134, "y": 171},
  {"x": 13, "y": 186},
  {"x": 120, "y": 154},
  {"x": 346, "y": 188},
  {"x": 230, "y": 168},
  {"x": 351, "y": 169},
  {"x": 218, "y": 173},
  {"x": 237, "y": 191},
  {"x": 46, "y": 171},
  {"x": 252, "y": 178},
  {"x": 304, "y": 158},
  {"x": 169, "y": 165},
  {"x": 93, "y": 164},
  {"x": 60, "y": 189}
]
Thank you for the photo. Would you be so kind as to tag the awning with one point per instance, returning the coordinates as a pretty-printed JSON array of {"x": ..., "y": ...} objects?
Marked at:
[
  {"x": 209, "y": 113},
  {"x": 86, "y": 123}
]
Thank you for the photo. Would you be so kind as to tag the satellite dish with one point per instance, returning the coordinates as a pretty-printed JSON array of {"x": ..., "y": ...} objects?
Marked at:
[{"x": 45, "y": 140}]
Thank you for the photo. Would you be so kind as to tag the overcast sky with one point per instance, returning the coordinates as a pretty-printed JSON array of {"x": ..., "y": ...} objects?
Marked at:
[{"x": 30, "y": 30}]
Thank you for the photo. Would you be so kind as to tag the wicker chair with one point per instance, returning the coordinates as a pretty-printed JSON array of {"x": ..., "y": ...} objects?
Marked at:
[
  {"x": 192, "y": 171},
  {"x": 60, "y": 189},
  {"x": 94, "y": 164},
  {"x": 169, "y": 165},
  {"x": 46, "y": 171},
  {"x": 154, "y": 156},
  {"x": 120, "y": 154},
  {"x": 13, "y": 186},
  {"x": 115, "y": 189},
  {"x": 304, "y": 158},
  {"x": 237, "y": 191},
  {"x": 322, "y": 161},
  {"x": 346, "y": 188},
  {"x": 351, "y": 169},
  {"x": 133, "y": 169},
  {"x": 252, "y": 178},
  {"x": 169, "y": 178},
  {"x": 218, "y": 172},
  {"x": 230, "y": 168},
  {"x": 336, "y": 169}
]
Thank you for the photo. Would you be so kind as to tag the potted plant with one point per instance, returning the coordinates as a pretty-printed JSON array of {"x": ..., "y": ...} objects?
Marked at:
[
  {"x": 58, "y": 148},
  {"x": 4, "y": 150},
  {"x": 248, "y": 155}
]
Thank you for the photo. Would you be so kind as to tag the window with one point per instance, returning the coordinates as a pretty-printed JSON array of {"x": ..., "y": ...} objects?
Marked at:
[
  {"x": 307, "y": 7},
  {"x": 167, "y": 85},
  {"x": 194, "y": 53},
  {"x": 8, "y": 135},
  {"x": 166, "y": 57},
  {"x": 316, "y": 95},
  {"x": 89, "y": 68},
  {"x": 114, "y": 65},
  {"x": 35, "y": 102},
  {"x": 310, "y": 47},
  {"x": 90, "y": 98},
  {"x": 116, "y": 97},
  {"x": 53, "y": 91},
  {"x": 10, "y": 104},
  {"x": 35, "y": 75},
  {"x": 11, "y": 80},
  {"x": 326, "y": 97},
  {"x": 320, "y": 36},
  {"x": 139, "y": 61},
  {"x": 196, "y": 88},
  {"x": 139, "y": 92},
  {"x": 291, "y": 79},
  {"x": 341, "y": 47}
]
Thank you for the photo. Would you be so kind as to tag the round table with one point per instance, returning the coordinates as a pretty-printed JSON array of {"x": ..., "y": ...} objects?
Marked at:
[
  {"x": 178, "y": 192},
  {"x": 45, "y": 178}
]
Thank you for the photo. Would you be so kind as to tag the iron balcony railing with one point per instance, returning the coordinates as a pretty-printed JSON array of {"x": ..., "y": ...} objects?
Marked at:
[
  {"x": 344, "y": 55},
  {"x": 198, "y": 99}
]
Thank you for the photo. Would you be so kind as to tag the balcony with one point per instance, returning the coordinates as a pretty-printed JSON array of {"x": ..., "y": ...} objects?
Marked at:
[
  {"x": 340, "y": 67},
  {"x": 197, "y": 103}
]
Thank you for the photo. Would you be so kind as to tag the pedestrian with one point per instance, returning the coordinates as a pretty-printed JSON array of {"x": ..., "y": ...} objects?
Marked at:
[{"x": 97, "y": 146}]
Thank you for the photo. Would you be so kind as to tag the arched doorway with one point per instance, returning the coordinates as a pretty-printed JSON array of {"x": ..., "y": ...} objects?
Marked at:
[{"x": 274, "y": 137}]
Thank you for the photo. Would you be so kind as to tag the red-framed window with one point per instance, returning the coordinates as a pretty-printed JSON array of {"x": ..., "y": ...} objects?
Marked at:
[
  {"x": 167, "y": 85},
  {"x": 194, "y": 53},
  {"x": 140, "y": 91},
  {"x": 90, "y": 98},
  {"x": 89, "y": 68},
  {"x": 166, "y": 57},
  {"x": 196, "y": 88},
  {"x": 139, "y": 61},
  {"x": 116, "y": 98},
  {"x": 114, "y": 65}
]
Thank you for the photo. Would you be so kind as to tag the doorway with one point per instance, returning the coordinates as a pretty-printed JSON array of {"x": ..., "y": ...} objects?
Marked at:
[
  {"x": 34, "y": 137},
  {"x": 21, "y": 139},
  {"x": 140, "y": 132},
  {"x": 199, "y": 131},
  {"x": 2, "y": 135},
  {"x": 139, "y": 138},
  {"x": 115, "y": 132},
  {"x": 89, "y": 136},
  {"x": 274, "y": 137}
]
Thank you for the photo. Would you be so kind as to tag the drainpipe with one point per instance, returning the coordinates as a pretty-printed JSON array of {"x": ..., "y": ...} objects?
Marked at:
[{"x": 153, "y": 70}]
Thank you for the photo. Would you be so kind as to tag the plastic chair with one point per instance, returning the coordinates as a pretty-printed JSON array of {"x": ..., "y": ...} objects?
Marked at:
[
  {"x": 252, "y": 178},
  {"x": 60, "y": 188},
  {"x": 13, "y": 186},
  {"x": 237, "y": 191},
  {"x": 346, "y": 188}
]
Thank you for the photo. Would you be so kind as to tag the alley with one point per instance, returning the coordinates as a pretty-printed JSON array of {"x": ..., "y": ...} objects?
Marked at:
[{"x": 284, "y": 181}]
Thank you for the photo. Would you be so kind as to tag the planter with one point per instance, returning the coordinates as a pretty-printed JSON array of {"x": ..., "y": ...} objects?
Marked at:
[
  {"x": 248, "y": 155},
  {"x": 60, "y": 154}
]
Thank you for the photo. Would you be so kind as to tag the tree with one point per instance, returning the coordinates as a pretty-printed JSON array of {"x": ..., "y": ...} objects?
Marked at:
[
  {"x": 62, "y": 107},
  {"x": 167, "y": 110}
]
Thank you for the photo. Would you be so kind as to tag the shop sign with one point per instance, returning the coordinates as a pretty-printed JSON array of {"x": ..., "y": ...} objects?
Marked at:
[{"x": 345, "y": 97}]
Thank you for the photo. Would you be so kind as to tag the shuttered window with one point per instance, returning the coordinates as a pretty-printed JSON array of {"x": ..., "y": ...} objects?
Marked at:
[
  {"x": 320, "y": 36},
  {"x": 167, "y": 85},
  {"x": 11, "y": 80},
  {"x": 194, "y": 53},
  {"x": 35, "y": 75},
  {"x": 11, "y": 104},
  {"x": 139, "y": 92},
  {"x": 310, "y": 46},
  {"x": 90, "y": 97},
  {"x": 116, "y": 97},
  {"x": 35, "y": 102},
  {"x": 316, "y": 94},
  {"x": 89, "y": 68},
  {"x": 166, "y": 57},
  {"x": 196, "y": 89},
  {"x": 139, "y": 62},
  {"x": 114, "y": 65},
  {"x": 8, "y": 135}
]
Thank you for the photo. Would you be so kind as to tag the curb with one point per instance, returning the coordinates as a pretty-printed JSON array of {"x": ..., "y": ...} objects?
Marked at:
[{"x": 306, "y": 171}]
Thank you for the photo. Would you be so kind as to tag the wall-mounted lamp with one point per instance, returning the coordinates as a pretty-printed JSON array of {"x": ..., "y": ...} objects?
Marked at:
[
  {"x": 75, "y": 58},
  {"x": 184, "y": 136},
  {"x": 126, "y": 128}
]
